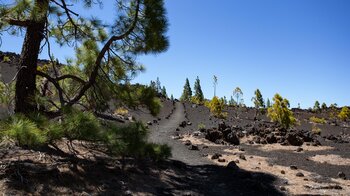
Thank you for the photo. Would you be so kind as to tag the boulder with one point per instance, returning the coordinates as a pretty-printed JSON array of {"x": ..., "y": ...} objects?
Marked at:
[
  {"x": 222, "y": 126},
  {"x": 213, "y": 135},
  {"x": 232, "y": 139},
  {"x": 271, "y": 139},
  {"x": 294, "y": 140},
  {"x": 183, "y": 124},
  {"x": 232, "y": 165},
  {"x": 226, "y": 131},
  {"x": 342, "y": 175}
]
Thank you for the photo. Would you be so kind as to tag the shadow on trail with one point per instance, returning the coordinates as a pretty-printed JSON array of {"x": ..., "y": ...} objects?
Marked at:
[{"x": 101, "y": 177}]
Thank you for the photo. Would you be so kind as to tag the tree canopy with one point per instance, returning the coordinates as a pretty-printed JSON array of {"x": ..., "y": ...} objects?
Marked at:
[
  {"x": 106, "y": 54},
  {"x": 187, "y": 92},
  {"x": 198, "y": 93}
]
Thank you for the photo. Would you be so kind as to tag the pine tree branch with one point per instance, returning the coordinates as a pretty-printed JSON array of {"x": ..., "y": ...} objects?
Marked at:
[{"x": 102, "y": 53}]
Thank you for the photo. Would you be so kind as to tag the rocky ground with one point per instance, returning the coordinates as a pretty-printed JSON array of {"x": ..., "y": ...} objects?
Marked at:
[{"x": 307, "y": 163}]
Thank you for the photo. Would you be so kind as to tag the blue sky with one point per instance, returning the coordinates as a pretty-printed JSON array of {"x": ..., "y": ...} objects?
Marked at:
[{"x": 298, "y": 48}]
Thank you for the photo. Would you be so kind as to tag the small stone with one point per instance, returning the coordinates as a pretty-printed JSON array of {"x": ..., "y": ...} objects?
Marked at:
[
  {"x": 205, "y": 146},
  {"x": 221, "y": 160},
  {"x": 236, "y": 161},
  {"x": 193, "y": 147},
  {"x": 189, "y": 123},
  {"x": 283, "y": 172},
  {"x": 204, "y": 155},
  {"x": 282, "y": 188},
  {"x": 241, "y": 149},
  {"x": 293, "y": 167},
  {"x": 149, "y": 123},
  {"x": 342, "y": 175},
  {"x": 128, "y": 192},
  {"x": 299, "y": 149},
  {"x": 216, "y": 156},
  {"x": 241, "y": 156},
  {"x": 188, "y": 142},
  {"x": 177, "y": 129},
  {"x": 299, "y": 174}
]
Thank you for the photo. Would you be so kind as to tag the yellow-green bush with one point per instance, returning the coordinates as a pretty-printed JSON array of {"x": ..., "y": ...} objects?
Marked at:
[
  {"x": 279, "y": 112},
  {"x": 216, "y": 107},
  {"x": 316, "y": 130},
  {"x": 314, "y": 119},
  {"x": 344, "y": 114}
]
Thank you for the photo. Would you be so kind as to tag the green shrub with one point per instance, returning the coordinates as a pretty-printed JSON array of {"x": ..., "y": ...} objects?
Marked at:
[
  {"x": 279, "y": 112},
  {"x": 314, "y": 119},
  {"x": 80, "y": 125},
  {"x": 216, "y": 107},
  {"x": 157, "y": 152},
  {"x": 344, "y": 114},
  {"x": 201, "y": 126},
  {"x": 24, "y": 131}
]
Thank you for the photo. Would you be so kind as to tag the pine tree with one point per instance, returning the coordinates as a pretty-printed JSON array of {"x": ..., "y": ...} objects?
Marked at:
[
  {"x": 268, "y": 103},
  {"x": 316, "y": 106},
  {"x": 198, "y": 93},
  {"x": 105, "y": 53},
  {"x": 164, "y": 92},
  {"x": 258, "y": 102},
  {"x": 258, "y": 99},
  {"x": 187, "y": 92},
  {"x": 153, "y": 85},
  {"x": 324, "y": 106},
  {"x": 279, "y": 112}
]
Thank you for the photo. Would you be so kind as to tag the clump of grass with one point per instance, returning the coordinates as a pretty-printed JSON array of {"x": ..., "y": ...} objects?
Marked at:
[
  {"x": 121, "y": 111},
  {"x": 316, "y": 130},
  {"x": 201, "y": 126},
  {"x": 24, "y": 132},
  {"x": 314, "y": 119}
]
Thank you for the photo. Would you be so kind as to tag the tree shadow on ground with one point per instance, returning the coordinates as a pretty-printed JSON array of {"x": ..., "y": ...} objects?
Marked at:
[{"x": 76, "y": 176}]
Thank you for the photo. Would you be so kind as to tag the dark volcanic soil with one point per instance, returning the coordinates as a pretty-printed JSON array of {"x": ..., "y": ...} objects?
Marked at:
[{"x": 319, "y": 164}]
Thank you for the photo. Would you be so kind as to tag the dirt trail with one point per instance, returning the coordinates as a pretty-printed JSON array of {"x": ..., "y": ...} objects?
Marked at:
[{"x": 162, "y": 134}]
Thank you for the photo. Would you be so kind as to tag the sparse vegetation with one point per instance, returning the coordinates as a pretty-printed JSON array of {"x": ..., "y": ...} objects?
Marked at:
[
  {"x": 316, "y": 130},
  {"x": 279, "y": 112},
  {"x": 344, "y": 114},
  {"x": 6, "y": 59},
  {"x": 314, "y": 119},
  {"x": 121, "y": 111},
  {"x": 201, "y": 126}
]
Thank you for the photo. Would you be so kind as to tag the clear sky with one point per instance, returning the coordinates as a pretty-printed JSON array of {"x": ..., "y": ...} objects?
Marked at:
[{"x": 298, "y": 48}]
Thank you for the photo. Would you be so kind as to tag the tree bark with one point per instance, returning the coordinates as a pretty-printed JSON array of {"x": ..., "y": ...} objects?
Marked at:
[{"x": 26, "y": 78}]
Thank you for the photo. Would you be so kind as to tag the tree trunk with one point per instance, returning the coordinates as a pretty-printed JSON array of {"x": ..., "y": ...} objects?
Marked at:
[{"x": 26, "y": 78}]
